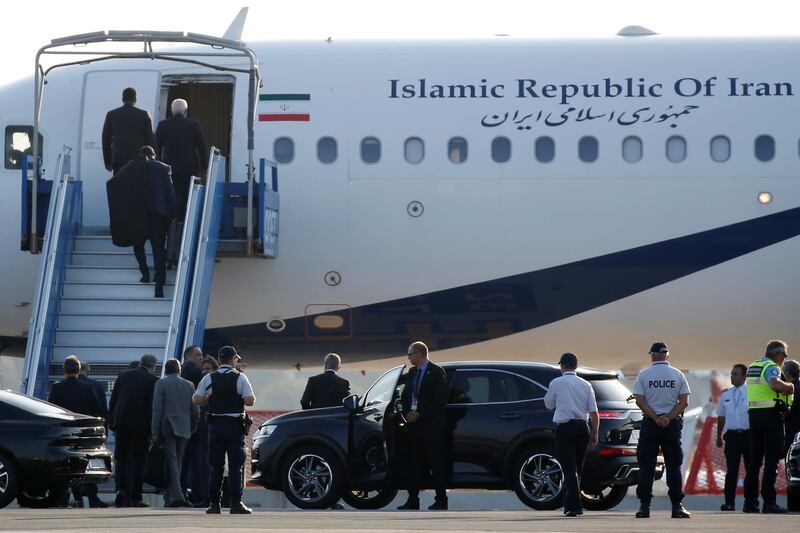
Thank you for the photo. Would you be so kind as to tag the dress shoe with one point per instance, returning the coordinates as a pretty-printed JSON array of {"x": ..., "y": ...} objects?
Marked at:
[
  {"x": 773, "y": 508},
  {"x": 751, "y": 508},
  {"x": 410, "y": 505},
  {"x": 98, "y": 504},
  {"x": 440, "y": 505},
  {"x": 644, "y": 511},
  {"x": 159, "y": 291},
  {"x": 177, "y": 504},
  {"x": 145, "y": 277},
  {"x": 140, "y": 503},
  {"x": 213, "y": 509},
  {"x": 240, "y": 508},
  {"x": 727, "y": 507},
  {"x": 573, "y": 513},
  {"x": 679, "y": 511},
  {"x": 337, "y": 506},
  {"x": 78, "y": 504}
]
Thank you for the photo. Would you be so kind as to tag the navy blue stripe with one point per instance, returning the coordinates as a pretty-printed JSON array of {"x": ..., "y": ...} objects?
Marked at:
[{"x": 494, "y": 308}]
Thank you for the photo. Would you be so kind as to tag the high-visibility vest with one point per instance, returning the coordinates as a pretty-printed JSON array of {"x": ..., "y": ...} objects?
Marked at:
[{"x": 759, "y": 394}]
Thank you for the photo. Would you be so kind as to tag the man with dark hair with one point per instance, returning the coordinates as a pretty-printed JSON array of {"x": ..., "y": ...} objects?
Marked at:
[
  {"x": 181, "y": 145},
  {"x": 575, "y": 405},
  {"x": 327, "y": 389},
  {"x": 227, "y": 392},
  {"x": 423, "y": 402},
  {"x": 174, "y": 420},
  {"x": 732, "y": 417},
  {"x": 125, "y": 130},
  {"x": 190, "y": 367},
  {"x": 765, "y": 386},
  {"x": 90, "y": 489},
  {"x": 130, "y": 417}
]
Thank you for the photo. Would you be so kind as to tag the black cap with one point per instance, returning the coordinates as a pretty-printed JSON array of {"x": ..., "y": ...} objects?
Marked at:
[
  {"x": 659, "y": 347},
  {"x": 569, "y": 360},
  {"x": 227, "y": 352}
]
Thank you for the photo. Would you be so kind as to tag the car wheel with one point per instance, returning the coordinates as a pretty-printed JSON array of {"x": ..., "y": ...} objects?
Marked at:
[
  {"x": 603, "y": 498},
  {"x": 312, "y": 478},
  {"x": 539, "y": 480},
  {"x": 793, "y": 498},
  {"x": 9, "y": 482},
  {"x": 369, "y": 499},
  {"x": 52, "y": 497}
]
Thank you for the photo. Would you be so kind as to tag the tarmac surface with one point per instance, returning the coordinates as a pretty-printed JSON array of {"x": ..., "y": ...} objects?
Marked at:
[{"x": 618, "y": 520}]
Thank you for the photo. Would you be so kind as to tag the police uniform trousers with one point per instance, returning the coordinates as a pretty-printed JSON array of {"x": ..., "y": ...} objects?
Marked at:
[
  {"x": 158, "y": 240},
  {"x": 428, "y": 461},
  {"x": 572, "y": 439},
  {"x": 737, "y": 451},
  {"x": 226, "y": 437},
  {"x": 766, "y": 445},
  {"x": 668, "y": 439}
]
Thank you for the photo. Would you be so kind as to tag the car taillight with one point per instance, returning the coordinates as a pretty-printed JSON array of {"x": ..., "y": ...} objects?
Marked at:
[
  {"x": 616, "y": 451},
  {"x": 612, "y": 414}
]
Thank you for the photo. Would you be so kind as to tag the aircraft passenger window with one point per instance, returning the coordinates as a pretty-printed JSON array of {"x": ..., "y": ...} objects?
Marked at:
[
  {"x": 457, "y": 150},
  {"x": 588, "y": 149},
  {"x": 632, "y": 149},
  {"x": 501, "y": 149},
  {"x": 545, "y": 149},
  {"x": 370, "y": 150},
  {"x": 414, "y": 150},
  {"x": 720, "y": 148},
  {"x": 765, "y": 148},
  {"x": 676, "y": 149},
  {"x": 19, "y": 142},
  {"x": 283, "y": 150},
  {"x": 326, "y": 150}
]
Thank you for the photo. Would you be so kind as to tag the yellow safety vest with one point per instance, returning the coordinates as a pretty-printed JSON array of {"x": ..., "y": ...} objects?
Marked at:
[{"x": 759, "y": 394}]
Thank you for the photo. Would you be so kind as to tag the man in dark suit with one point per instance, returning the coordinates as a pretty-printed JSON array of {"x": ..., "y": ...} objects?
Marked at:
[
  {"x": 125, "y": 130},
  {"x": 90, "y": 489},
  {"x": 424, "y": 400},
  {"x": 181, "y": 145},
  {"x": 161, "y": 210},
  {"x": 190, "y": 366},
  {"x": 131, "y": 411},
  {"x": 195, "y": 455},
  {"x": 326, "y": 389}
]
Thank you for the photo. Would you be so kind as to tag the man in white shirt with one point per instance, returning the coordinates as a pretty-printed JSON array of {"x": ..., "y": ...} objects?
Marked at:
[
  {"x": 573, "y": 399},
  {"x": 733, "y": 418}
]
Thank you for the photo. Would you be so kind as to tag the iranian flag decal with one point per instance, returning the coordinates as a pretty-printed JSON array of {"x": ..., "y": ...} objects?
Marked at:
[{"x": 286, "y": 107}]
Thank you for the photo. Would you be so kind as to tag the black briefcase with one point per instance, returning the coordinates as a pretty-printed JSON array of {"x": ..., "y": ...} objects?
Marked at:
[
  {"x": 174, "y": 236},
  {"x": 155, "y": 467}
]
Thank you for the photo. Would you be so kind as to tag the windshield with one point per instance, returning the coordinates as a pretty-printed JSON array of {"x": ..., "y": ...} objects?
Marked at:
[
  {"x": 383, "y": 389},
  {"x": 31, "y": 405}
]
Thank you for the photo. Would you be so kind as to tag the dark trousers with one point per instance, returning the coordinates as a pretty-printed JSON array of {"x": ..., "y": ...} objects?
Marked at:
[
  {"x": 737, "y": 451},
  {"x": 181, "y": 185},
  {"x": 668, "y": 439},
  {"x": 226, "y": 436},
  {"x": 766, "y": 445},
  {"x": 130, "y": 452},
  {"x": 428, "y": 461},
  {"x": 572, "y": 439},
  {"x": 158, "y": 239},
  {"x": 195, "y": 467},
  {"x": 86, "y": 489}
]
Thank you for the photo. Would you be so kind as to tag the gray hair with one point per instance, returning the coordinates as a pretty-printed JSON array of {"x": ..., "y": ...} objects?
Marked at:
[
  {"x": 179, "y": 106},
  {"x": 332, "y": 361},
  {"x": 792, "y": 369}
]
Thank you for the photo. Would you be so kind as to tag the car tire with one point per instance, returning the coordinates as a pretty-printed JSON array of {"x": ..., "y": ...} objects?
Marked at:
[
  {"x": 312, "y": 477},
  {"x": 373, "y": 499},
  {"x": 52, "y": 497},
  {"x": 793, "y": 498},
  {"x": 538, "y": 480},
  {"x": 603, "y": 498},
  {"x": 9, "y": 482}
]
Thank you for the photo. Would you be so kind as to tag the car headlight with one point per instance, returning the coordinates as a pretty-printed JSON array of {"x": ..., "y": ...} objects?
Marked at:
[{"x": 264, "y": 432}]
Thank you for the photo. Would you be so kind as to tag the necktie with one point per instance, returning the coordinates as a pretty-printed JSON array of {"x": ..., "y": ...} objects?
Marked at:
[{"x": 417, "y": 382}]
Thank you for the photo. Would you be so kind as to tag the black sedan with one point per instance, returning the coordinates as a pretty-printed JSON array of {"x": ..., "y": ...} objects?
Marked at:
[
  {"x": 501, "y": 436},
  {"x": 43, "y": 449}
]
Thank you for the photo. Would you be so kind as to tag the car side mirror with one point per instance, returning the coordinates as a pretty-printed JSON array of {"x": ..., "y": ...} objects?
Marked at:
[{"x": 351, "y": 403}]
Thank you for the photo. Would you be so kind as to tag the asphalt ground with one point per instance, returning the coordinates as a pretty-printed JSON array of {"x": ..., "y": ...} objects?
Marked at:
[{"x": 618, "y": 520}]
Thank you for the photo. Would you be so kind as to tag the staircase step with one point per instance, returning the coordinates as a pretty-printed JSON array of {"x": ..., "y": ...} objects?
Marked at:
[
  {"x": 104, "y": 259},
  {"x": 95, "y": 243},
  {"x": 112, "y": 290},
  {"x": 111, "y": 338},
  {"x": 104, "y": 322},
  {"x": 110, "y": 354},
  {"x": 116, "y": 306},
  {"x": 93, "y": 274}
]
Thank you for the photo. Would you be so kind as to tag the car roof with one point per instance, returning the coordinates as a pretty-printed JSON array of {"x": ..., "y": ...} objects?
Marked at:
[{"x": 584, "y": 372}]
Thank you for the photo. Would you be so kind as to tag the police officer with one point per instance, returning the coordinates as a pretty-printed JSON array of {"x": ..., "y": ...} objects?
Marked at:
[
  {"x": 662, "y": 393},
  {"x": 227, "y": 392},
  {"x": 733, "y": 419},
  {"x": 764, "y": 388},
  {"x": 574, "y": 402}
]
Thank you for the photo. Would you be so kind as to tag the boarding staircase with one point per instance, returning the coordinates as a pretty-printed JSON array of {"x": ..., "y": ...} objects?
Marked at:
[{"x": 89, "y": 299}]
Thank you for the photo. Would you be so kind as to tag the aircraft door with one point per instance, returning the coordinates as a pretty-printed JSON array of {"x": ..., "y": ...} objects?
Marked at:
[{"x": 102, "y": 91}]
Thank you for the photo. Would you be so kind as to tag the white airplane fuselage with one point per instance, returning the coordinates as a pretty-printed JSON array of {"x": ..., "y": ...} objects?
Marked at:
[{"x": 614, "y": 233}]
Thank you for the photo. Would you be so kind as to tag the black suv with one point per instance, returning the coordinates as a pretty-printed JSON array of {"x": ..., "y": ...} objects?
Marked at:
[{"x": 500, "y": 436}]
